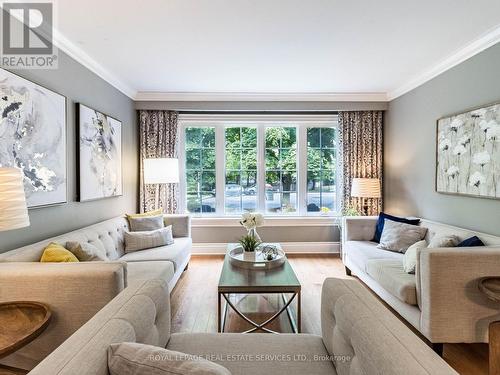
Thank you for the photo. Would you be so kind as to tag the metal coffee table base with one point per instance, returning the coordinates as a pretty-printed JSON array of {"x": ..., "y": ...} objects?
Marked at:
[{"x": 222, "y": 314}]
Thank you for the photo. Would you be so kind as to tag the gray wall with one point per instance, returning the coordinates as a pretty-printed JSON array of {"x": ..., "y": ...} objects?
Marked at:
[
  {"x": 323, "y": 233},
  {"x": 410, "y": 144},
  {"x": 78, "y": 84}
]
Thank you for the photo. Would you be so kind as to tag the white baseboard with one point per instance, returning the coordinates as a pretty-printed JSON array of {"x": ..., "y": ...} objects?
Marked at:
[{"x": 289, "y": 247}]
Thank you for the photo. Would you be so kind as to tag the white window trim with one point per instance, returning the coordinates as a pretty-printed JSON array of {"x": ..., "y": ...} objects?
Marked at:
[{"x": 220, "y": 122}]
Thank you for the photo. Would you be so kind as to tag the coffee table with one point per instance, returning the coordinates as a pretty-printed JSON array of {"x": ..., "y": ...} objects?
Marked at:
[
  {"x": 281, "y": 280},
  {"x": 20, "y": 323}
]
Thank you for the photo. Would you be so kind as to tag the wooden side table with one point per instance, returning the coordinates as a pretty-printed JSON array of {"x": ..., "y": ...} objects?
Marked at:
[
  {"x": 20, "y": 323},
  {"x": 490, "y": 286}
]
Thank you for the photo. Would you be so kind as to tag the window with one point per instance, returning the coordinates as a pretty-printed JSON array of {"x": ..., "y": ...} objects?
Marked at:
[
  {"x": 278, "y": 165},
  {"x": 281, "y": 170},
  {"x": 321, "y": 168},
  {"x": 241, "y": 170},
  {"x": 200, "y": 169}
]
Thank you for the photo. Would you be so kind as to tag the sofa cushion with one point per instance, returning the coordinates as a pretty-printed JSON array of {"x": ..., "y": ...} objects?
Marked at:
[
  {"x": 391, "y": 275},
  {"x": 176, "y": 253},
  {"x": 130, "y": 358},
  {"x": 265, "y": 353},
  {"x": 135, "y": 241},
  {"x": 140, "y": 271},
  {"x": 145, "y": 223},
  {"x": 382, "y": 217},
  {"x": 359, "y": 252},
  {"x": 400, "y": 236}
]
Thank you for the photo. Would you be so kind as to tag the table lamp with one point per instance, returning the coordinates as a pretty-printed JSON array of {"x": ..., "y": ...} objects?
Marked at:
[
  {"x": 13, "y": 208},
  {"x": 365, "y": 188},
  {"x": 161, "y": 171}
]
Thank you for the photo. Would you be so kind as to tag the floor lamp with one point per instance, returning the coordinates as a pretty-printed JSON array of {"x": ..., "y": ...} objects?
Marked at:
[
  {"x": 13, "y": 208},
  {"x": 161, "y": 171},
  {"x": 365, "y": 188}
]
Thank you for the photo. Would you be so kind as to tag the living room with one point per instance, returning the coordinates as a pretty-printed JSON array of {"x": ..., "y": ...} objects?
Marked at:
[{"x": 236, "y": 187}]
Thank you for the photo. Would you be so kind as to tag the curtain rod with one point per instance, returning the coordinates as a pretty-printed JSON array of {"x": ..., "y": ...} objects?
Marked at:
[{"x": 289, "y": 113}]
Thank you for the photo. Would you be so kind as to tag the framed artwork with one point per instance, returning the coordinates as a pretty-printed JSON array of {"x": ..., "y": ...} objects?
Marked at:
[
  {"x": 100, "y": 154},
  {"x": 33, "y": 138},
  {"x": 468, "y": 153}
]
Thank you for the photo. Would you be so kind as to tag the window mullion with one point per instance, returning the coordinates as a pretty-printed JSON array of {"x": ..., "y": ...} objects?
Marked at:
[
  {"x": 261, "y": 169},
  {"x": 220, "y": 169},
  {"x": 302, "y": 170}
]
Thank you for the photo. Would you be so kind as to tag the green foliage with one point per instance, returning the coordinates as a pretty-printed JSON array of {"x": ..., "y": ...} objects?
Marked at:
[
  {"x": 249, "y": 243},
  {"x": 351, "y": 211}
]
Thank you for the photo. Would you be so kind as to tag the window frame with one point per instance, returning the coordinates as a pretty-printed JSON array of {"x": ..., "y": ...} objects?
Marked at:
[{"x": 261, "y": 122}]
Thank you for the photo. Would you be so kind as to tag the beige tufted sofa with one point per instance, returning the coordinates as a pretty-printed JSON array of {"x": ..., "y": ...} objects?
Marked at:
[
  {"x": 77, "y": 291},
  {"x": 442, "y": 299},
  {"x": 360, "y": 336}
]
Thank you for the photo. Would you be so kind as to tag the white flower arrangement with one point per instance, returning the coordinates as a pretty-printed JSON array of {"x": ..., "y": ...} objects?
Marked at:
[
  {"x": 452, "y": 171},
  {"x": 252, "y": 220},
  {"x": 459, "y": 150},
  {"x": 444, "y": 144},
  {"x": 476, "y": 179},
  {"x": 481, "y": 158},
  {"x": 493, "y": 133},
  {"x": 455, "y": 124}
]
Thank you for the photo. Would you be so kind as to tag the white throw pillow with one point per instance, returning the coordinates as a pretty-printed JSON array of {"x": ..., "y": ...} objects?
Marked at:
[
  {"x": 145, "y": 223},
  {"x": 444, "y": 241},
  {"x": 135, "y": 241},
  {"x": 410, "y": 257},
  {"x": 130, "y": 358},
  {"x": 400, "y": 236}
]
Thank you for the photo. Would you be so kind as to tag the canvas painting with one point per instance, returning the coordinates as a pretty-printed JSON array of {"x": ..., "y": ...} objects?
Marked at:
[
  {"x": 33, "y": 138},
  {"x": 468, "y": 153},
  {"x": 100, "y": 139}
]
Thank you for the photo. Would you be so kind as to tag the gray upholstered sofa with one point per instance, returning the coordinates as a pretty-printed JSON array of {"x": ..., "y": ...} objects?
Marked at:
[
  {"x": 441, "y": 300},
  {"x": 360, "y": 336},
  {"x": 77, "y": 291}
]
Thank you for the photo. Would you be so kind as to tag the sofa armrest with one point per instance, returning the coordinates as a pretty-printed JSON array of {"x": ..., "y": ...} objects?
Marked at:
[
  {"x": 359, "y": 228},
  {"x": 453, "y": 308},
  {"x": 74, "y": 292},
  {"x": 181, "y": 224}
]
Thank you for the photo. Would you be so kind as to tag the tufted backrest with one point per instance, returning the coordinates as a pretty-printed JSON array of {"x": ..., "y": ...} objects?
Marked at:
[
  {"x": 141, "y": 313},
  {"x": 364, "y": 337},
  {"x": 444, "y": 229},
  {"x": 107, "y": 235}
]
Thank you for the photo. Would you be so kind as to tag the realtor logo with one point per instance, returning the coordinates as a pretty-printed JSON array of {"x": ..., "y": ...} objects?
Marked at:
[{"x": 27, "y": 30}]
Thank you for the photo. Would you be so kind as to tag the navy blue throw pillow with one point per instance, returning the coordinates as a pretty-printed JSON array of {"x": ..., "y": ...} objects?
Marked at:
[
  {"x": 471, "y": 242},
  {"x": 380, "y": 224}
]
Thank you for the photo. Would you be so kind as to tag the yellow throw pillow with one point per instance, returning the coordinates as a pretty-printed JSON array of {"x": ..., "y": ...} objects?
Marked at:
[
  {"x": 145, "y": 214},
  {"x": 57, "y": 253}
]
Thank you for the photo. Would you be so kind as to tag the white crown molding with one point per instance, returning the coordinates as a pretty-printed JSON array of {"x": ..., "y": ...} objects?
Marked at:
[
  {"x": 471, "y": 49},
  {"x": 259, "y": 97},
  {"x": 64, "y": 44}
]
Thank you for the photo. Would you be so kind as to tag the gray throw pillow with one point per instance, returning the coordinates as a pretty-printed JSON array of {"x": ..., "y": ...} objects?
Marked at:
[
  {"x": 135, "y": 241},
  {"x": 400, "y": 236},
  {"x": 86, "y": 252},
  {"x": 410, "y": 257},
  {"x": 130, "y": 358},
  {"x": 145, "y": 223},
  {"x": 444, "y": 241}
]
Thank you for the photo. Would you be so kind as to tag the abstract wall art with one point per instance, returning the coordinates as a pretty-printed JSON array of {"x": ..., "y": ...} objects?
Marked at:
[
  {"x": 33, "y": 138},
  {"x": 100, "y": 154},
  {"x": 468, "y": 153}
]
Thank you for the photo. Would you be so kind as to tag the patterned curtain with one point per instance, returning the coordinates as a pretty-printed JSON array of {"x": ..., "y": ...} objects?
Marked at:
[
  {"x": 360, "y": 139},
  {"x": 158, "y": 139}
]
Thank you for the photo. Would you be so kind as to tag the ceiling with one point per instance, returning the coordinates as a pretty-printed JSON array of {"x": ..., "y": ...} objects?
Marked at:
[{"x": 295, "y": 48}]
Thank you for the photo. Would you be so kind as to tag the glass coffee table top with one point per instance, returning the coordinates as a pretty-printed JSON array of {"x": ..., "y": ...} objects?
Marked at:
[
  {"x": 280, "y": 281},
  {"x": 235, "y": 278}
]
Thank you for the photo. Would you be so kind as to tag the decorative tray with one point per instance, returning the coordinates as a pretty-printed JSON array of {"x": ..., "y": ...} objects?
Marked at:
[{"x": 257, "y": 260}]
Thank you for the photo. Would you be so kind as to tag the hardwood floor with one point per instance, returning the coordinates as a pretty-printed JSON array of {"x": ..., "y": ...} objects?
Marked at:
[{"x": 194, "y": 305}]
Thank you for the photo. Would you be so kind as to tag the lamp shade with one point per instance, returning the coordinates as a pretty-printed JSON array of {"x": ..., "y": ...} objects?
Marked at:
[
  {"x": 161, "y": 171},
  {"x": 13, "y": 209},
  {"x": 365, "y": 188}
]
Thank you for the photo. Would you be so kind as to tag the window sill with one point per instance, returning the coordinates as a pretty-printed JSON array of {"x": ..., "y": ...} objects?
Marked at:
[{"x": 270, "y": 221}]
